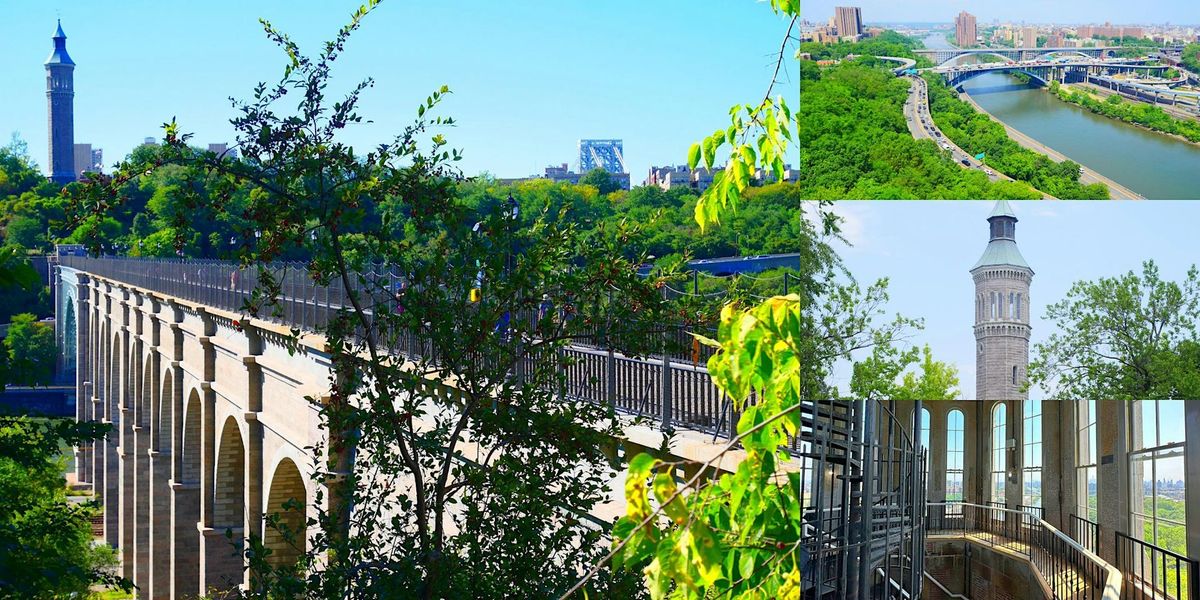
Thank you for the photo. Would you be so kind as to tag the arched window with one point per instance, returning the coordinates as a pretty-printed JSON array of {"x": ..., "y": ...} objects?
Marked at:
[
  {"x": 1012, "y": 305},
  {"x": 1031, "y": 415},
  {"x": 954, "y": 459},
  {"x": 1018, "y": 315},
  {"x": 993, "y": 312},
  {"x": 1085, "y": 459},
  {"x": 999, "y": 431},
  {"x": 925, "y": 426},
  {"x": 1014, "y": 374},
  {"x": 1156, "y": 465}
]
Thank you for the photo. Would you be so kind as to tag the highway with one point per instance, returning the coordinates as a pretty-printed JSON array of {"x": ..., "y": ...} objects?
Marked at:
[{"x": 921, "y": 125}]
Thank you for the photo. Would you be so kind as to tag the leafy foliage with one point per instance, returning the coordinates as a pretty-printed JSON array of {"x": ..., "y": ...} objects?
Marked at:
[
  {"x": 46, "y": 547},
  {"x": 1123, "y": 338},
  {"x": 460, "y": 470},
  {"x": 31, "y": 351},
  {"x": 854, "y": 143},
  {"x": 1190, "y": 58}
]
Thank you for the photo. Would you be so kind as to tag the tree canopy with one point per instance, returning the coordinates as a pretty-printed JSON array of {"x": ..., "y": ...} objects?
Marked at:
[{"x": 1127, "y": 337}]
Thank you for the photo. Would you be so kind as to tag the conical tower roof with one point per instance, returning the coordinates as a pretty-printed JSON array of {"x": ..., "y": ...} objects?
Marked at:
[
  {"x": 59, "y": 56},
  {"x": 1002, "y": 248}
]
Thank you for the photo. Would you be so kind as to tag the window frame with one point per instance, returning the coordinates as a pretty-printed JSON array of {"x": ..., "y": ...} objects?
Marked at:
[{"x": 999, "y": 453}]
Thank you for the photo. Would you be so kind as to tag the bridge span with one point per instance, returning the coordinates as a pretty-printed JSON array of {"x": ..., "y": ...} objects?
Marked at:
[{"x": 212, "y": 417}]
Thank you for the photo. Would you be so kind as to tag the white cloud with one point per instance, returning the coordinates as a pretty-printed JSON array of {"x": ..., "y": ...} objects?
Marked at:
[{"x": 853, "y": 217}]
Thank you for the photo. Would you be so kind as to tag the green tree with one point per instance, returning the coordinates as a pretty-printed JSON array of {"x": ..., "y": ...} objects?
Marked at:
[
  {"x": 25, "y": 232},
  {"x": 31, "y": 351},
  {"x": 600, "y": 179},
  {"x": 46, "y": 546},
  {"x": 1121, "y": 338},
  {"x": 390, "y": 228}
]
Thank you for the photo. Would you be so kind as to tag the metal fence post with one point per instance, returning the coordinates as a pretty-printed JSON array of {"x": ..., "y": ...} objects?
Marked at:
[
  {"x": 610, "y": 378},
  {"x": 666, "y": 392}
]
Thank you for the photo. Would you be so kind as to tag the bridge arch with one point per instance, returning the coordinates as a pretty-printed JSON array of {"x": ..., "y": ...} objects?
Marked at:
[
  {"x": 960, "y": 79},
  {"x": 947, "y": 62},
  {"x": 145, "y": 395},
  {"x": 114, "y": 379},
  {"x": 287, "y": 506},
  {"x": 1061, "y": 52},
  {"x": 166, "y": 412},
  {"x": 190, "y": 464},
  {"x": 229, "y": 503}
]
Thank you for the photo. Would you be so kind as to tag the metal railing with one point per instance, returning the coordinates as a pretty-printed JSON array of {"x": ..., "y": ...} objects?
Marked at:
[
  {"x": 1036, "y": 511},
  {"x": 1155, "y": 573},
  {"x": 684, "y": 398},
  {"x": 1086, "y": 532},
  {"x": 1071, "y": 571}
]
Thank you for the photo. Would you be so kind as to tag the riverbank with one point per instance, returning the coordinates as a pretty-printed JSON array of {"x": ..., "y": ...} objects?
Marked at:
[
  {"x": 1116, "y": 191},
  {"x": 1147, "y": 116},
  {"x": 987, "y": 139}
]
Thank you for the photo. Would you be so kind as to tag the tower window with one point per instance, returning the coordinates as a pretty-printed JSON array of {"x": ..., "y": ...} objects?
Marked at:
[
  {"x": 1014, "y": 374},
  {"x": 1018, "y": 316},
  {"x": 1012, "y": 304}
]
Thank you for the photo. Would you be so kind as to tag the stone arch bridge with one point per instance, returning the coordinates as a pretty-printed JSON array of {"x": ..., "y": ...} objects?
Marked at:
[{"x": 212, "y": 419}]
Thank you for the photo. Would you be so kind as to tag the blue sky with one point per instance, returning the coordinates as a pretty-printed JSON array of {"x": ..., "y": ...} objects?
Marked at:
[
  {"x": 529, "y": 78},
  {"x": 1034, "y": 11},
  {"x": 926, "y": 249}
]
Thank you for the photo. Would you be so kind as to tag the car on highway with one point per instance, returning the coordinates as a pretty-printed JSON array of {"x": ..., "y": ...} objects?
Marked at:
[
  {"x": 965, "y": 162},
  {"x": 989, "y": 171},
  {"x": 945, "y": 145}
]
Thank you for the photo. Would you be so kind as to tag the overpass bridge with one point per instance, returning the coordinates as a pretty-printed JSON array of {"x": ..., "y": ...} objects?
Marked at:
[
  {"x": 941, "y": 56},
  {"x": 1045, "y": 71}
]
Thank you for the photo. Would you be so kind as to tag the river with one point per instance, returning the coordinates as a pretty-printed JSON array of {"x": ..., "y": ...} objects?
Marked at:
[{"x": 1154, "y": 165}]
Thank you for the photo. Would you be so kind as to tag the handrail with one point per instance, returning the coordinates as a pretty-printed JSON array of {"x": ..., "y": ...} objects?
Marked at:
[
  {"x": 1131, "y": 558},
  {"x": 1112, "y": 581},
  {"x": 948, "y": 593}
]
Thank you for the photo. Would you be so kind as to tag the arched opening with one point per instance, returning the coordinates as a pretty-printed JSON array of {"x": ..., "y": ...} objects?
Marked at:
[
  {"x": 145, "y": 395},
  {"x": 1031, "y": 465},
  {"x": 999, "y": 431},
  {"x": 926, "y": 425},
  {"x": 166, "y": 412},
  {"x": 229, "y": 504},
  {"x": 190, "y": 459},
  {"x": 285, "y": 532},
  {"x": 68, "y": 342},
  {"x": 955, "y": 430},
  {"x": 114, "y": 380}
]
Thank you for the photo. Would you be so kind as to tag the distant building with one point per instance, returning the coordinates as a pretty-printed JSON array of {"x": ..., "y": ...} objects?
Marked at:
[
  {"x": 1029, "y": 37},
  {"x": 700, "y": 179},
  {"x": 964, "y": 29},
  {"x": 223, "y": 150},
  {"x": 602, "y": 154},
  {"x": 149, "y": 141},
  {"x": 848, "y": 21},
  {"x": 1055, "y": 40},
  {"x": 60, "y": 106},
  {"x": 563, "y": 173},
  {"x": 88, "y": 159},
  {"x": 1108, "y": 30}
]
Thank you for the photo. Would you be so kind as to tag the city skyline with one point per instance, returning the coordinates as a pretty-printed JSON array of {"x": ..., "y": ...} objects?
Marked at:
[
  {"x": 1079, "y": 12},
  {"x": 526, "y": 89}
]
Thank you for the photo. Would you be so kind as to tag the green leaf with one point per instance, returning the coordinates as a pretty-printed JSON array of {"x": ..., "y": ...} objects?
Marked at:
[{"x": 693, "y": 156}]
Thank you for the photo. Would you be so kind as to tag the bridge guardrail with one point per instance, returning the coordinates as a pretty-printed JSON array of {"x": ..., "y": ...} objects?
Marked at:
[{"x": 685, "y": 398}]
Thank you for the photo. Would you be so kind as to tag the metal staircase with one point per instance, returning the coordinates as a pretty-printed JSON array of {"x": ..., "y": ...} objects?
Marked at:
[{"x": 862, "y": 473}]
